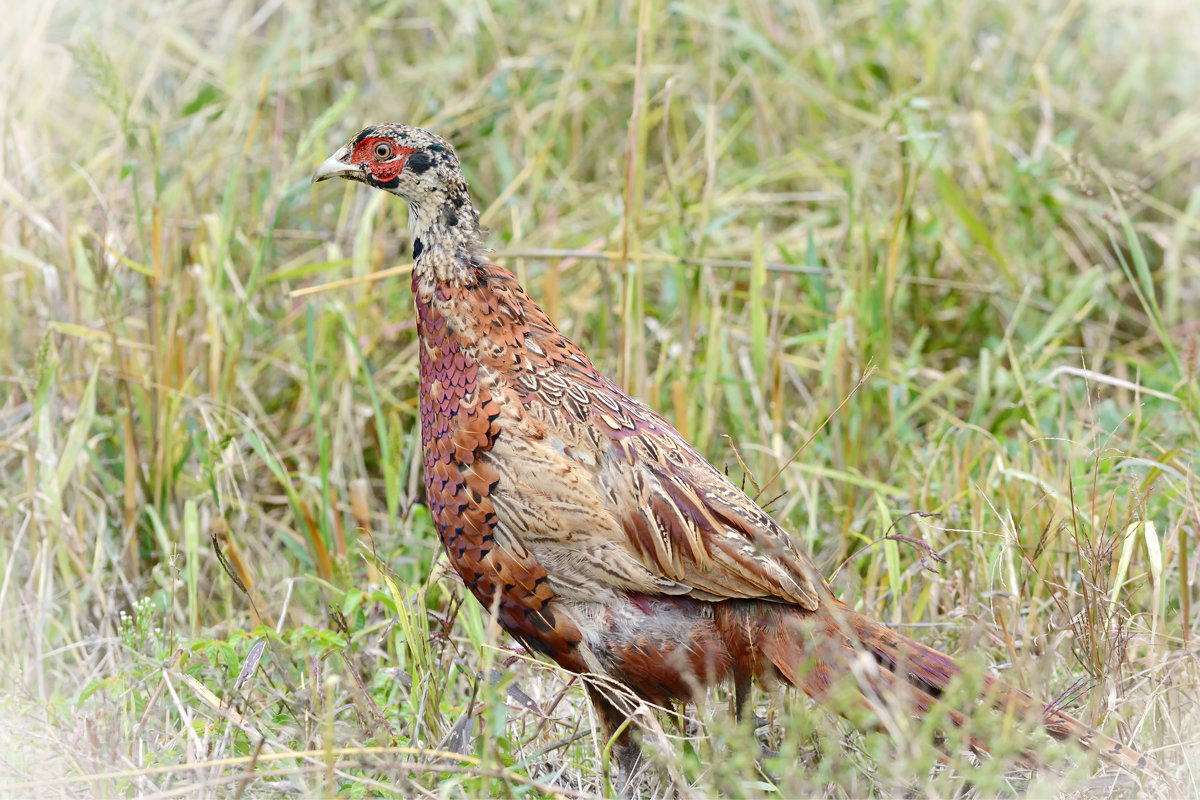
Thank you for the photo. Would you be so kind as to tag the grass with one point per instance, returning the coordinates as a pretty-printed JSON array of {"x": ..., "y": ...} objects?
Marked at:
[{"x": 218, "y": 577}]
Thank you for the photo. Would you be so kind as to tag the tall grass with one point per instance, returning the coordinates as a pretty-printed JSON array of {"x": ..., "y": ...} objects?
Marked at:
[{"x": 218, "y": 577}]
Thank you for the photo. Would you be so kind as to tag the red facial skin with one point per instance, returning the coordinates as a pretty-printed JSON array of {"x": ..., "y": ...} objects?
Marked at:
[{"x": 386, "y": 169}]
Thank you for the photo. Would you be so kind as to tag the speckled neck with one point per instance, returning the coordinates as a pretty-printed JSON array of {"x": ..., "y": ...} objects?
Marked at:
[{"x": 447, "y": 242}]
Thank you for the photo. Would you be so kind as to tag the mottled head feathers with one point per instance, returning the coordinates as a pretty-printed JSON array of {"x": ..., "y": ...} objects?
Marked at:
[
  {"x": 382, "y": 156},
  {"x": 422, "y": 168}
]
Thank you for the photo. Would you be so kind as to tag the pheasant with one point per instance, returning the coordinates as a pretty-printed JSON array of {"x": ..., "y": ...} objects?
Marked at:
[{"x": 593, "y": 530}]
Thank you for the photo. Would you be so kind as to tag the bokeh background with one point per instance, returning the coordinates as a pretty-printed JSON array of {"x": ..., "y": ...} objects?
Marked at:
[{"x": 873, "y": 258}]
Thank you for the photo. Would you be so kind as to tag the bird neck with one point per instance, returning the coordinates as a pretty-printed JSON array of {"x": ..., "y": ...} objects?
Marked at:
[
  {"x": 467, "y": 305},
  {"x": 449, "y": 268},
  {"x": 460, "y": 293},
  {"x": 447, "y": 243}
]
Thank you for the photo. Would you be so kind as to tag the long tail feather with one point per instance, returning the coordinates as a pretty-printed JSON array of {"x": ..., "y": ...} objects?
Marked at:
[{"x": 843, "y": 636}]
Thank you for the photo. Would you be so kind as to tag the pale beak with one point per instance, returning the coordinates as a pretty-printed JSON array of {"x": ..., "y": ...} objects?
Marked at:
[{"x": 335, "y": 167}]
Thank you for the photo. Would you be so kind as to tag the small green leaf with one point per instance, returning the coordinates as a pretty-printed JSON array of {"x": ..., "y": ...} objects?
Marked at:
[{"x": 207, "y": 95}]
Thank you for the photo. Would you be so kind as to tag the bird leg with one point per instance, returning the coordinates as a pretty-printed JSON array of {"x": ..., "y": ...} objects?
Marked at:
[{"x": 618, "y": 731}]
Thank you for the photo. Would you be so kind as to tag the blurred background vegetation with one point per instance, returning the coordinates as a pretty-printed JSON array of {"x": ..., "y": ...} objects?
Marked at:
[{"x": 875, "y": 257}]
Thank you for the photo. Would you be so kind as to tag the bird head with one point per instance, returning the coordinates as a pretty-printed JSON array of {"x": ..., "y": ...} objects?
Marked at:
[
  {"x": 410, "y": 162},
  {"x": 422, "y": 168}
]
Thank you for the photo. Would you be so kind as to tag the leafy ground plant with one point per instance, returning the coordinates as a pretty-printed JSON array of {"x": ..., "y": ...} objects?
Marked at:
[{"x": 875, "y": 258}]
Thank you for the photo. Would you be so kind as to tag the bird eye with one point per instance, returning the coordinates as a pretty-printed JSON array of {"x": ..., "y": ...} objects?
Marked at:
[{"x": 383, "y": 150}]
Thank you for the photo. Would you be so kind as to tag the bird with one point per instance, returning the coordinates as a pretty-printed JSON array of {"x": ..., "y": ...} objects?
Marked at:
[{"x": 597, "y": 535}]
